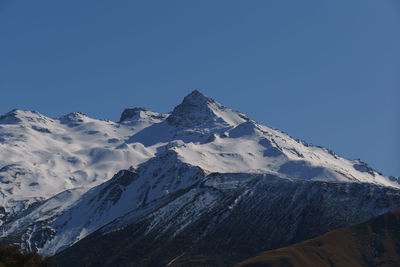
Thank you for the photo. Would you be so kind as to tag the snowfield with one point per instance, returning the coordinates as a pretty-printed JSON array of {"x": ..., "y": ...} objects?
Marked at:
[{"x": 63, "y": 179}]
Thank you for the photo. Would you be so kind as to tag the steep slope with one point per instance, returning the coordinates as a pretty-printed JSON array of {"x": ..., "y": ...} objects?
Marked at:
[
  {"x": 58, "y": 189},
  {"x": 230, "y": 217},
  {"x": 54, "y": 225},
  {"x": 373, "y": 243}
]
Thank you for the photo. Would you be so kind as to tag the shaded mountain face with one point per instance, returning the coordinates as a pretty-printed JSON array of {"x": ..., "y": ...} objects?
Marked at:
[
  {"x": 230, "y": 217},
  {"x": 373, "y": 243},
  {"x": 163, "y": 175}
]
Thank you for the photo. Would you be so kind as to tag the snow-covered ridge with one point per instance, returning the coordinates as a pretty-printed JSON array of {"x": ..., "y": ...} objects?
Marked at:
[
  {"x": 55, "y": 174},
  {"x": 41, "y": 157}
]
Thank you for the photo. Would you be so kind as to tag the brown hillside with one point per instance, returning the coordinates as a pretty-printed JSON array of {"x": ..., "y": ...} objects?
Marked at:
[
  {"x": 10, "y": 256},
  {"x": 373, "y": 243}
]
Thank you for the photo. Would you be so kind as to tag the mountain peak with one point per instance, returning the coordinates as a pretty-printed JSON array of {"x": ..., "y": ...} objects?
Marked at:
[
  {"x": 73, "y": 118},
  {"x": 131, "y": 112},
  {"x": 10, "y": 117},
  {"x": 197, "y": 109},
  {"x": 197, "y": 98},
  {"x": 16, "y": 116},
  {"x": 141, "y": 114}
]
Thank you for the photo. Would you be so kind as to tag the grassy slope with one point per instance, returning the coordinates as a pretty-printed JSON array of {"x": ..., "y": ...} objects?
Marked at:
[{"x": 373, "y": 243}]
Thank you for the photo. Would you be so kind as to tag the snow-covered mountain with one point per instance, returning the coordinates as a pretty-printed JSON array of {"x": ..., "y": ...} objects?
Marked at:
[
  {"x": 41, "y": 157},
  {"x": 227, "y": 218},
  {"x": 63, "y": 179}
]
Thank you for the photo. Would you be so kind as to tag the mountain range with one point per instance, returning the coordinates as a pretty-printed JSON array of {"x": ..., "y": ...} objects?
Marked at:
[{"x": 155, "y": 188}]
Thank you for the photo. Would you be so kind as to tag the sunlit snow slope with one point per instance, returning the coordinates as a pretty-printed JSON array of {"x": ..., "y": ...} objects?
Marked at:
[
  {"x": 41, "y": 157},
  {"x": 55, "y": 174}
]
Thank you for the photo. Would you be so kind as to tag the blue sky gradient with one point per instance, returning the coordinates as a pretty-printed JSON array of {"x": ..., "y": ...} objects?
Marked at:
[{"x": 323, "y": 71}]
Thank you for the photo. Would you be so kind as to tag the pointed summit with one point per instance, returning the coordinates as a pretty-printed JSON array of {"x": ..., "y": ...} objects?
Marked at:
[
  {"x": 196, "y": 98},
  {"x": 197, "y": 109}
]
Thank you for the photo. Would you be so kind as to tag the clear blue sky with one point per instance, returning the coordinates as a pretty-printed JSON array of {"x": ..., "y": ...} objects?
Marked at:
[{"x": 324, "y": 71}]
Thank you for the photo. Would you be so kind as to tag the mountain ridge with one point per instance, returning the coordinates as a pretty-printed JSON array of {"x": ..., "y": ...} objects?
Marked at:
[{"x": 64, "y": 179}]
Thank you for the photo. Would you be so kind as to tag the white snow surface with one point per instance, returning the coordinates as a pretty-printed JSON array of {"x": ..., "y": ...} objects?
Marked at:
[
  {"x": 59, "y": 171},
  {"x": 41, "y": 157}
]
